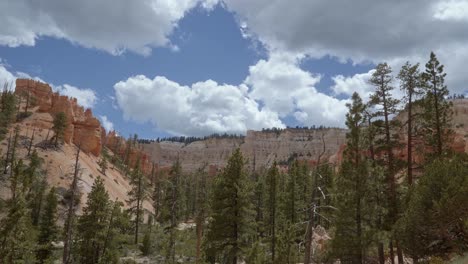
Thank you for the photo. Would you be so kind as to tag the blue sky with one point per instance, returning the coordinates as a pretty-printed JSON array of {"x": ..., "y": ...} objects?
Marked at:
[{"x": 196, "y": 67}]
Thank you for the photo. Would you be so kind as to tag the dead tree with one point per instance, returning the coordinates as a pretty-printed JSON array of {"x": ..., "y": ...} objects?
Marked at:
[{"x": 67, "y": 244}]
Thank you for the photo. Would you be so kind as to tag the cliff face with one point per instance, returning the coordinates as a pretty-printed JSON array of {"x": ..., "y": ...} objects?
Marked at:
[
  {"x": 260, "y": 148},
  {"x": 83, "y": 128}
]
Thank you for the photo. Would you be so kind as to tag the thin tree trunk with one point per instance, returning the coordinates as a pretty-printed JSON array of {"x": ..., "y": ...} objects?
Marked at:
[
  {"x": 436, "y": 106},
  {"x": 31, "y": 143},
  {"x": 310, "y": 226},
  {"x": 71, "y": 213},
  {"x": 199, "y": 230},
  {"x": 137, "y": 220},
  {"x": 399, "y": 252},
  {"x": 109, "y": 228},
  {"x": 410, "y": 139},
  {"x": 392, "y": 254},
  {"x": 7, "y": 158}
]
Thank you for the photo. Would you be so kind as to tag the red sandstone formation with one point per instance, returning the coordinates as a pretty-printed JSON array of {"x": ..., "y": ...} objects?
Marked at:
[
  {"x": 118, "y": 145},
  {"x": 83, "y": 128}
]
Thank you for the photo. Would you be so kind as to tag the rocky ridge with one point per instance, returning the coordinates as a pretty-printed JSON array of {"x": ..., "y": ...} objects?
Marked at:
[
  {"x": 83, "y": 128},
  {"x": 260, "y": 148}
]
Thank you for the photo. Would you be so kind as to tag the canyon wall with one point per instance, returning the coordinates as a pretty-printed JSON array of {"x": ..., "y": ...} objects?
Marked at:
[
  {"x": 83, "y": 128},
  {"x": 260, "y": 148}
]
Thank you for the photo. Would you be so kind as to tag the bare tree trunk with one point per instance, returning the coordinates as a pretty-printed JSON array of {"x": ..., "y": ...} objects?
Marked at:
[
  {"x": 7, "y": 158},
  {"x": 31, "y": 143},
  {"x": 310, "y": 226},
  {"x": 392, "y": 254},
  {"x": 71, "y": 213},
  {"x": 399, "y": 252}
]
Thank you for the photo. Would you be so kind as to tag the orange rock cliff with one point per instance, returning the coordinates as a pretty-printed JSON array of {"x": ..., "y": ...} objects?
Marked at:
[{"x": 83, "y": 128}]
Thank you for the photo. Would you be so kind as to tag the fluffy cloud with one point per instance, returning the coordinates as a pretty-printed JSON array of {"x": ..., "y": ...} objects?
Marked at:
[
  {"x": 106, "y": 123},
  {"x": 6, "y": 77},
  {"x": 85, "y": 97},
  {"x": 278, "y": 82},
  {"x": 283, "y": 87},
  {"x": 110, "y": 25},
  {"x": 347, "y": 85},
  {"x": 274, "y": 89},
  {"x": 203, "y": 108},
  {"x": 392, "y": 31}
]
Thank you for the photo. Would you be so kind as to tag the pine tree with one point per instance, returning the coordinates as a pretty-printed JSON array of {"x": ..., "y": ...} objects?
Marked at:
[
  {"x": 351, "y": 195},
  {"x": 48, "y": 230},
  {"x": 386, "y": 106},
  {"x": 201, "y": 210},
  {"x": 230, "y": 229},
  {"x": 92, "y": 225},
  {"x": 435, "y": 222},
  {"x": 118, "y": 225},
  {"x": 7, "y": 110},
  {"x": 272, "y": 193},
  {"x": 410, "y": 84},
  {"x": 437, "y": 113},
  {"x": 59, "y": 126},
  {"x": 16, "y": 236},
  {"x": 136, "y": 197},
  {"x": 171, "y": 212},
  {"x": 103, "y": 165}
]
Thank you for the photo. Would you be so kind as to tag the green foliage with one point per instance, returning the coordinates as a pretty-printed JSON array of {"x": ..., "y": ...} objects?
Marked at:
[
  {"x": 136, "y": 196},
  {"x": 146, "y": 247},
  {"x": 8, "y": 110},
  {"x": 231, "y": 227},
  {"x": 48, "y": 230},
  {"x": 353, "y": 229},
  {"x": 93, "y": 224},
  {"x": 59, "y": 126},
  {"x": 437, "y": 112},
  {"x": 103, "y": 165},
  {"x": 16, "y": 233},
  {"x": 435, "y": 222}
]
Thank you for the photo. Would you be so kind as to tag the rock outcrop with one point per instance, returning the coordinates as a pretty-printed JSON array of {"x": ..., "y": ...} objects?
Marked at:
[
  {"x": 260, "y": 148},
  {"x": 83, "y": 128}
]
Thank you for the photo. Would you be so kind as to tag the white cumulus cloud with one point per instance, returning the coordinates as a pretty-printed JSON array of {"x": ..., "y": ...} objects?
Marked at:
[
  {"x": 392, "y": 31},
  {"x": 200, "y": 109},
  {"x": 111, "y": 25},
  {"x": 275, "y": 88}
]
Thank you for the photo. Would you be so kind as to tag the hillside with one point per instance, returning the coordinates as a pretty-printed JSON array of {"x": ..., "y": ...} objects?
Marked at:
[{"x": 59, "y": 163}]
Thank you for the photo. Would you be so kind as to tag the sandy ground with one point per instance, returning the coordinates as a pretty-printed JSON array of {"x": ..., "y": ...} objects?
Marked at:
[{"x": 60, "y": 163}]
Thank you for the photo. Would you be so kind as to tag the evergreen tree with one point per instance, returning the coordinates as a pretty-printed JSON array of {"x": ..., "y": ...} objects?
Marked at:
[
  {"x": 230, "y": 229},
  {"x": 171, "y": 212},
  {"x": 8, "y": 110},
  {"x": 16, "y": 236},
  {"x": 103, "y": 165},
  {"x": 201, "y": 210},
  {"x": 59, "y": 126},
  {"x": 385, "y": 106},
  {"x": 410, "y": 84},
  {"x": 352, "y": 234},
  {"x": 437, "y": 112},
  {"x": 435, "y": 222},
  {"x": 92, "y": 225},
  {"x": 272, "y": 193},
  {"x": 136, "y": 197},
  {"x": 118, "y": 226},
  {"x": 48, "y": 230}
]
